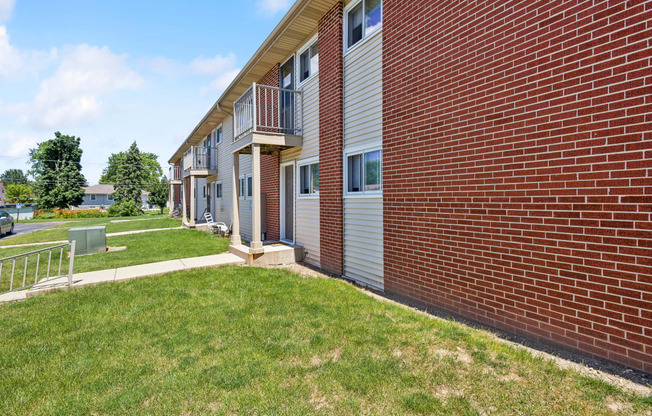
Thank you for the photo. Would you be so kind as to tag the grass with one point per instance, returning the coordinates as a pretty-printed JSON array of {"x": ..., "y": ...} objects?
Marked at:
[
  {"x": 265, "y": 341},
  {"x": 60, "y": 232},
  {"x": 141, "y": 249}
]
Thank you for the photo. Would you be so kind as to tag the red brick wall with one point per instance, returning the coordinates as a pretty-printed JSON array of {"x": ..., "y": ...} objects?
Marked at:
[
  {"x": 270, "y": 172},
  {"x": 331, "y": 139},
  {"x": 518, "y": 167},
  {"x": 177, "y": 189}
]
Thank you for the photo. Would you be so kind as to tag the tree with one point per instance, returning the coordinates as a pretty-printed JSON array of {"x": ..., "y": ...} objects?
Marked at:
[
  {"x": 13, "y": 176},
  {"x": 19, "y": 193},
  {"x": 149, "y": 165},
  {"x": 159, "y": 193},
  {"x": 56, "y": 166},
  {"x": 130, "y": 178}
]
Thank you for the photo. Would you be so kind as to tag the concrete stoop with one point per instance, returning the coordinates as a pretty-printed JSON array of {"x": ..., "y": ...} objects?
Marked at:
[{"x": 275, "y": 254}]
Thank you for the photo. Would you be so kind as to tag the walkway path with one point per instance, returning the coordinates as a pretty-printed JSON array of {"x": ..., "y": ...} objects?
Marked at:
[
  {"x": 108, "y": 235},
  {"x": 125, "y": 273}
]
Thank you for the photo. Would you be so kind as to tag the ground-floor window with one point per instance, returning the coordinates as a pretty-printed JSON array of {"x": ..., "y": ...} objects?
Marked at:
[
  {"x": 364, "y": 172},
  {"x": 250, "y": 186},
  {"x": 309, "y": 179},
  {"x": 218, "y": 190},
  {"x": 243, "y": 187}
]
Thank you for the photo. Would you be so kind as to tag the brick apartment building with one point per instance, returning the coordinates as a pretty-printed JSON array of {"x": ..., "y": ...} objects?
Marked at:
[{"x": 490, "y": 159}]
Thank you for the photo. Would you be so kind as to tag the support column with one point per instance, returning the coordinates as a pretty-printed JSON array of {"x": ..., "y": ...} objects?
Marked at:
[
  {"x": 235, "y": 177},
  {"x": 184, "y": 208},
  {"x": 256, "y": 242},
  {"x": 193, "y": 203}
]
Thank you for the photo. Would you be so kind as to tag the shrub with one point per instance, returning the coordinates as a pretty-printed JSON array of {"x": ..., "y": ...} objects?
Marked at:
[
  {"x": 127, "y": 208},
  {"x": 71, "y": 213}
]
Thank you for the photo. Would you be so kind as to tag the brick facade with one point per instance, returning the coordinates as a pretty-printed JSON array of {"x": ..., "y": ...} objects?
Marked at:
[
  {"x": 270, "y": 173},
  {"x": 517, "y": 166},
  {"x": 331, "y": 136}
]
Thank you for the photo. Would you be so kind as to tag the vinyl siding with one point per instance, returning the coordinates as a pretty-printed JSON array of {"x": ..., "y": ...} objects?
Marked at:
[
  {"x": 363, "y": 216},
  {"x": 307, "y": 209},
  {"x": 223, "y": 207}
]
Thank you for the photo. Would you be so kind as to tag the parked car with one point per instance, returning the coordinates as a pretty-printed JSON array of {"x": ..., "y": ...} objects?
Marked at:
[{"x": 6, "y": 223}]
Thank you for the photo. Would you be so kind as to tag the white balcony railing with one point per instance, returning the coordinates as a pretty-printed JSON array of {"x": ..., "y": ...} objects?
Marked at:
[
  {"x": 265, "y": 109},
  {"x": 175, "y": 173},
  {"x": 199, "y": 157}
]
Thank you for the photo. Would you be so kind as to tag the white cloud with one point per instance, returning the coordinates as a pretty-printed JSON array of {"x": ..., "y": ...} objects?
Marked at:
[
  {"x": 17, "y": 63},
  {"x": 164, "y": 66},
  {"x": 6, "y": 7},
  {"x": 271, "y": 7},
  {"x": 15, "y": 145},
  {"x": 220, "y": 83},
  {"x": 73, "y": 94}
]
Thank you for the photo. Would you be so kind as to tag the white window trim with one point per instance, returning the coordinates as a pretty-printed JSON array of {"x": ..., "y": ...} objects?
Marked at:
[
  {"x": 247, "y": 176},
  {"x": 242, "y": 191},
  {"x": 305, "y": 162},
  {"x": 357, "y": 151},
  {"x": 219, "y": 198},
  {"x": 93, "y": 197},
  {"x": 365, "y": 38},
  {"x": 215, "y": 143},
  {"x": 307, "y": 45}
]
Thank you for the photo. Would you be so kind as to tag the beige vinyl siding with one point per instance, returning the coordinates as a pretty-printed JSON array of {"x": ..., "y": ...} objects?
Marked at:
[
  {"x": 307, "y": 209},
  {"x": 363, "y": 216},
  {"x": 223, "y": 208},
  {"x": 245, "y": 204}
]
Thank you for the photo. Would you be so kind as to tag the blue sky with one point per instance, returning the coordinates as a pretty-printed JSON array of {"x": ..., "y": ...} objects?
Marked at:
[{"x": 116, "y": 71}]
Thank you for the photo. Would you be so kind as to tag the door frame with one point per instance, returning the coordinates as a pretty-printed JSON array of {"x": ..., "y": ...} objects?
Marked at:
[{"x": 282, "y": 202}]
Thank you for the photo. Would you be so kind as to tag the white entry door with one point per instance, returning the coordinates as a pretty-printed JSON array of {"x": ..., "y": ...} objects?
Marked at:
[{"x": 287, "y": 202}]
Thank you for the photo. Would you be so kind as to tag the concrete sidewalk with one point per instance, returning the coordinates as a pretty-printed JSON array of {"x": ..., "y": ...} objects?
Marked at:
[
  {"x": 125, "y": 273},
  {"x": 43, "y": 243}
]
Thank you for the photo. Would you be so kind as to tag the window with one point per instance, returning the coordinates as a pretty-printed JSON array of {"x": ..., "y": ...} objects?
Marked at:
[
  {"x": 110, "y": 197},
  {"x": 203, "y": 188},
  {"x": 93, "y": 197},
  {"x": 250, "y": 186},
  {"x": 362, "y": 20},
  {"x": 309, "y": 179},
  {"x": 243, "y": 187},
  {"x": 309, "y": 62},
  {"x": 364, "y": 172},
  {"x": 217, "y": 136},
  {"x": 218, "y": 190}
]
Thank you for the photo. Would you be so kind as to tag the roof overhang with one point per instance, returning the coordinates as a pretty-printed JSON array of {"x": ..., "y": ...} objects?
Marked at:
[{"x": 296, "y": 27}]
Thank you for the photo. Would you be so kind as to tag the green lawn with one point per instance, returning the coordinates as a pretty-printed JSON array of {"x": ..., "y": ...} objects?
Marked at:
[
  {"x": 60, "y": 232},
  {"x": 252, "y": 341},
  {"x": 141, "y": 249}
]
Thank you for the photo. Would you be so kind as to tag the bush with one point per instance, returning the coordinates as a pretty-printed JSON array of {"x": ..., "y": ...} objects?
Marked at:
[
  {"x": 127, "y": 208},
  {"x": 70, "y": 213}
]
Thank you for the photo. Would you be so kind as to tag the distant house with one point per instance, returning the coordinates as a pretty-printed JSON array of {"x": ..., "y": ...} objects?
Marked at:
[
  {"x": 102, "y": 196},
  {"x": 2, "y": 193}
]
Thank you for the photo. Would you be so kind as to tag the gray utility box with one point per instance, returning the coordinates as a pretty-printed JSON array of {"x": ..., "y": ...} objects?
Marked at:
[{"x": 89, "y": 239}]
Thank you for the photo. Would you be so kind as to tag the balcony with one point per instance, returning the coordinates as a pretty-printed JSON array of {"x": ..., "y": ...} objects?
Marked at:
[
  {"x": 269, "y": 116},
  {"x": 200, "y": 161},
  {"x": 175, "y": 175}
]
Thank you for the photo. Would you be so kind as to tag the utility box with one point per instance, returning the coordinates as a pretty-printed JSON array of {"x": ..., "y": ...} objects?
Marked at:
[{"x": 90, "y": 240}]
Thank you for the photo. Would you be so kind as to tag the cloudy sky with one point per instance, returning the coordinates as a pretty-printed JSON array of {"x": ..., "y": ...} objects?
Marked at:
[{"x": 116, "y": 71}]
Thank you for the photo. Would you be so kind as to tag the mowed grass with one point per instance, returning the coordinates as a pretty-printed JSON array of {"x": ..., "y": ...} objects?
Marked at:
[
  {"x": 140, "y": 249},
  {"x": 252, "y": 341},
  {"x": 60, "y": 232}
]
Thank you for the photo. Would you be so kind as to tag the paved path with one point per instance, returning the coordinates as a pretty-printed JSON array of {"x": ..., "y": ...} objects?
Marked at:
[
  {"x": 125, "y": 273},
  {"x": 29, "y": 227},
  {"x": 108, "y": 235}
]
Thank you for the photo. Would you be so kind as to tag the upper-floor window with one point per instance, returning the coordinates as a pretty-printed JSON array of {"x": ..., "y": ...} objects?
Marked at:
[
  {"x": 362, "y": 19},
  {"x": 309, "y": 62},
  {"x": 217, "y": 136},
  {"x": 309, "y": 179},
  {"x": 364, "y": 172}
]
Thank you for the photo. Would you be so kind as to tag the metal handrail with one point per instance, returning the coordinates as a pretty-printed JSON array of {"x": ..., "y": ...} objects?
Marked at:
[
  {"x": 268, "y": 109},
  {"x": 38, "y": 253},
  {"x": 200, "y": 157},
  {"x": 175, "y": 173}
]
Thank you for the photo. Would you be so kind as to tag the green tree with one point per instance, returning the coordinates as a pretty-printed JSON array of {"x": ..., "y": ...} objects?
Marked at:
[
  {"x": 56, "y": 167},
  {"x": 19, "y": 193},
  {"x": 130, "y": 178},
  {"x": 149, "y": 164},
  {"x": 159, "y": 193},
  {"x": 13, "y": 176}
]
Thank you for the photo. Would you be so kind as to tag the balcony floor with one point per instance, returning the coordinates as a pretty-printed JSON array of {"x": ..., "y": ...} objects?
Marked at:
[{"x": 269, "y": 142}]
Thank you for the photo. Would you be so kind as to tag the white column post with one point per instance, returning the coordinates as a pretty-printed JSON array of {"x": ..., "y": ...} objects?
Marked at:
[
  {"x": 256, "y": 242},
  {"x": 235, "y": 226},
  {"x": 193, "y": 203},
  {"x": 171, "y": 204}
]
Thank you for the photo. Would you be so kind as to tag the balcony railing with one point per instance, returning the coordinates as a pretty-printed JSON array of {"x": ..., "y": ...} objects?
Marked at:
[
  {"x": 265, "y": 109},
  {"x": 201, "y": 158},
  {"x": 175, "y": 173}
]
